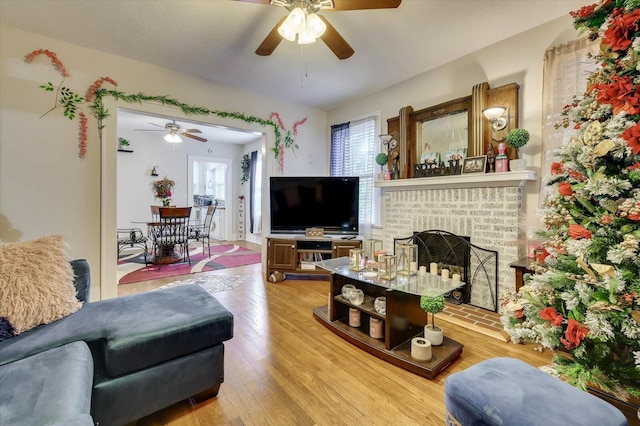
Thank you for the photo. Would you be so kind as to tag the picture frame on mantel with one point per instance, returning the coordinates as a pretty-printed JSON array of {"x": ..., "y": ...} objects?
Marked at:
[
  {"x": 476, "y": 164},
  {"x": 408, "y": 125}
]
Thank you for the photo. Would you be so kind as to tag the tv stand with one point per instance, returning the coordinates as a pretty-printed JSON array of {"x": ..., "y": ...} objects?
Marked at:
[{"x": 292, "y": 254}]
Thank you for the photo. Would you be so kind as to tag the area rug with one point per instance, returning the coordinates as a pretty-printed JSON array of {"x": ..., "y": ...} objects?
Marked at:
[
  {"x": 212, "y": 283},
  {"x": 131, "y": 268}
]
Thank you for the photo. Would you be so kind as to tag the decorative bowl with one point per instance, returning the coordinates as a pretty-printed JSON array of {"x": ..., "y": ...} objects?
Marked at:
[
  {"x": 356, "y": 296},
  {"x": 380, "y": 305},
  {"x": 346, "y": 289}
]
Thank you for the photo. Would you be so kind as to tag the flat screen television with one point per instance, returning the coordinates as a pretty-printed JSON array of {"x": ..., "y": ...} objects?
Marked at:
[{"x": 327, "y": 202}]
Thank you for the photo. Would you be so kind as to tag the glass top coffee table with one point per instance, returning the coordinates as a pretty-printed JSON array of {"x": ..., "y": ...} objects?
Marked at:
[{"x": 402, "y": 319}]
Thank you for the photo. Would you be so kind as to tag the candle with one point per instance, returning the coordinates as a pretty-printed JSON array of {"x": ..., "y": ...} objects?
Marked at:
[
  {"x": 433, "y": 268},
  {"x": 413, "y": 267},
  {"x": 445, "y": 275},
  {"x": 423, "y": 270},
  {"x": 455, "y": 278}
]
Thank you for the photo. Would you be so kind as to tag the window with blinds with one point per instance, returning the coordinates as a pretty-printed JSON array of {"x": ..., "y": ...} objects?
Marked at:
[{"x": 353, "y": 154}]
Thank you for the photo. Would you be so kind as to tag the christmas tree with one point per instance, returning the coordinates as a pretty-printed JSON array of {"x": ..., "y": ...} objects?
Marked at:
[{"x": 583, "y": 300}]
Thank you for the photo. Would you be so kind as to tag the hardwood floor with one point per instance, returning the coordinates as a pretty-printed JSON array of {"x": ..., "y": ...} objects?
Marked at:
[{"x": 282, "y": 367}]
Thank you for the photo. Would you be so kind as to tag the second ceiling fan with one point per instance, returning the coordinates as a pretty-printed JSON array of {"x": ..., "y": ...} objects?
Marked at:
[
  {"x": 174, "y": 131},
  {"x": 304, "y": 22}
]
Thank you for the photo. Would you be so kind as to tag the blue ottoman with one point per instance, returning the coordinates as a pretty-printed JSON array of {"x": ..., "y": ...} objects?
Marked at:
[{"x": 507, "y": 391}]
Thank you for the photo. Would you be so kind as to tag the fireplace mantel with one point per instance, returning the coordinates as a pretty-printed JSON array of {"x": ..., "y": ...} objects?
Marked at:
[{"x": 479, "y": 180}]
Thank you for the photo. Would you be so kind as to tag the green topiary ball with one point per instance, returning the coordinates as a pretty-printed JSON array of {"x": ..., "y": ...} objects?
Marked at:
[
  {"x": 382, "y": 158},
  {"x": 432, "y": 304},
  {"x": 517, "y": 138}
]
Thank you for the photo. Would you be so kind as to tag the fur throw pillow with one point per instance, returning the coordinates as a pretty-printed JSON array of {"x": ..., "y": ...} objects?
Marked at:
[{"x": 36, "y": 283}]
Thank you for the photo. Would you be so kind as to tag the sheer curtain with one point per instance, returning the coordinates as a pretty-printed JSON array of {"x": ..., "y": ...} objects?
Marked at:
[
  {"x": 353, "y": 154},
  {"x": 566, "y": 70}
]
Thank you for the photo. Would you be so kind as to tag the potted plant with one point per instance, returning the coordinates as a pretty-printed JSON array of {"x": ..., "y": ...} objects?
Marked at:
[
  {"x": 162, "y": 189},
  {"x": 381, "y": 160},
  {"x": 517, "y": 138},
  {"x": 432, "y": 305},
  {"x": 123, "y": 143}
]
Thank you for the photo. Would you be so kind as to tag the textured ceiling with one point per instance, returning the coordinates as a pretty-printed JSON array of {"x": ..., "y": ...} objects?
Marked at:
[{"x": 216, "y": 39}]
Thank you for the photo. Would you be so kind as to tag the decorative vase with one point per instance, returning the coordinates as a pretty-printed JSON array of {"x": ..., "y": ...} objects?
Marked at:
[
  {"x": 166, "y": 202},
  {"x": 518, "y": 164},
  {"x": 433, "y": 335},
  {"x": 502, "y": 163}
]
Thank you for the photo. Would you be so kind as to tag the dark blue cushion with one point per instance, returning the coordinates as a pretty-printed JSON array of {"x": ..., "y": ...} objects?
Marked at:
[
  {"x": 6, "y": 329},
  {"x": 133, "y": 332},
  {"x": 52, "y": 387},
  {"x": 149, "y": 328},
  {"x": 507, "y": 391}
]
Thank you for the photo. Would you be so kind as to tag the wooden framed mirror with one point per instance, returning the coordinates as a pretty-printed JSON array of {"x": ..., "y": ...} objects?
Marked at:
[
  {"x": 451, "y": 126},
  {"x": 441, "y": 131}
]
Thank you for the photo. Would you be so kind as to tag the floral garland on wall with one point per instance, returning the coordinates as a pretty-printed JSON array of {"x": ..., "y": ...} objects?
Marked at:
[
  {"x": 583, "y": 300},
  {"x": 69, "y": 101}
]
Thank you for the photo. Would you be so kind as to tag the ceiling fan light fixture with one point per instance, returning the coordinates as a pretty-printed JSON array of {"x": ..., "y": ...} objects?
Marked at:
[
  {"x": 173, "y": 138},
  {"x": 286, "y": 32},
  {"x": 315, "y": 26},
  {"x": 297, "y": 20},
  {"x": 305, "y": 37}
]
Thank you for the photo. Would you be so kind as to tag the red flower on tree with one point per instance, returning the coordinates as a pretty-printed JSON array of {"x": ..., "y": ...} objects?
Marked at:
[
  {"x": 574, "y": 334},
  {"x": 578, "y": 231},
  {"x": 606, "y": 219},
  {"x": 556, "y": 168},
  {"x": 564, "y": 189},
  {"x": 619, "y": 35},
  {"x": 632, "y": 136},
  {"x": 550, "y": 314},
  {"x": 620, "y": 94}
]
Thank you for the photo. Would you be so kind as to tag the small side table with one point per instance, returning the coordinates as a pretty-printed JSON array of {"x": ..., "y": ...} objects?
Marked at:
[{"x": 522, "y": 266}]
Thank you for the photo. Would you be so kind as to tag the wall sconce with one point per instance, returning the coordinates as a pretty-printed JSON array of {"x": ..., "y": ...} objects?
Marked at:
[
  {"x": 154, "y": 171},
  {"x": 495, "y": 117}
]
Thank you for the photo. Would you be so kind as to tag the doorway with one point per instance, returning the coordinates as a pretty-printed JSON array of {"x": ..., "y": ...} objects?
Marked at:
[{"x": 209, "y": 181}]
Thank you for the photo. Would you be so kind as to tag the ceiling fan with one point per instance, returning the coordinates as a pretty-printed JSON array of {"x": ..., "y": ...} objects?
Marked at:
[
  {"x": 304, "y": 21},
  {"x": 174, "y": 131}
]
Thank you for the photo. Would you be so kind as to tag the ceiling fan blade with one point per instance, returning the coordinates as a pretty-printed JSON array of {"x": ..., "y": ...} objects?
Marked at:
[
  {"x": 149, "y": 130},
  {"x": 272, "y": 40},
  {"x": 334, "y": 40},
  {"x": 154, "y": 124},
  {"x": 364, "y": 4},
  {"x": 191, "y": 130},
  {"x": 198, "y": 138}
]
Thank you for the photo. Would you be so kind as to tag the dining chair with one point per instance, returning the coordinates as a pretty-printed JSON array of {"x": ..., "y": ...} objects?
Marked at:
[
  {"x": 171, "y": 235},
  {"x": 132, "y": 237},
  {"x": 200, "y": 232},
  {"x": 155, "y": 213}
]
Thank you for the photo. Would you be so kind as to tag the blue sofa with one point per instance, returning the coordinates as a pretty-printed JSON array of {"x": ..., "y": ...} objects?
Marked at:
[
  {"x": 115, "y": 360},
  {"x": 507, "y": 391}
]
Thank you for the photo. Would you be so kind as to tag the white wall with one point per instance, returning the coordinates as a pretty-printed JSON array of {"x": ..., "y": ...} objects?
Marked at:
[
  {"x": 134, "y": 194},
  {"x": 518, "y": 59},
  {"x": 46, "y": 189}
]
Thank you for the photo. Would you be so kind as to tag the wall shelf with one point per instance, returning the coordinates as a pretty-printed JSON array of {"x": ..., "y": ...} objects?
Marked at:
[
  {"x": 479, "y": 180},
  {"x": 125, "y": 150}
]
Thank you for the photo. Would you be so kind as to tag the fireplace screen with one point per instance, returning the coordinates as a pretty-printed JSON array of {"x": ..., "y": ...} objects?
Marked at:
[{"x": 477, "y": 267}]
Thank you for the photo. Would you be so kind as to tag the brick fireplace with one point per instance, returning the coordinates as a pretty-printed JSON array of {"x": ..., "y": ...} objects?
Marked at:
[{"x": 486, "y": 208}]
